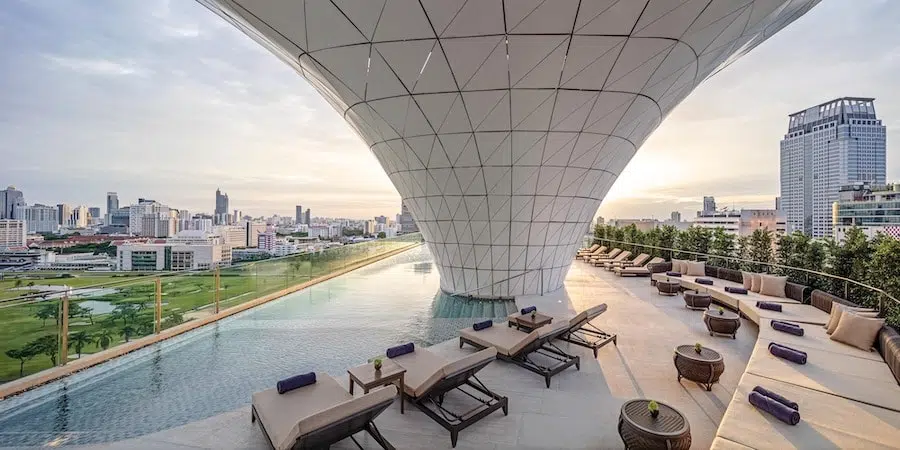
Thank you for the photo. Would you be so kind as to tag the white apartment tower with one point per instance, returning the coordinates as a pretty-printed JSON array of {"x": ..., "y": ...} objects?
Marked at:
[{"x": 837, "y": 143}]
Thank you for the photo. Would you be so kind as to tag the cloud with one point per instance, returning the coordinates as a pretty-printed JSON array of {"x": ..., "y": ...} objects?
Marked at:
[{"x": 97, "y": 66}]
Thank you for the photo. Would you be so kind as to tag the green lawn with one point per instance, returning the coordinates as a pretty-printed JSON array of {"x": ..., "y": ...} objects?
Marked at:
[{"x": 182, "y": 293}]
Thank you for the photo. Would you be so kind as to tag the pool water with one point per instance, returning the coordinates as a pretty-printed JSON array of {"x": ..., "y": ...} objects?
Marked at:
[{"x": 327, "y": 327}]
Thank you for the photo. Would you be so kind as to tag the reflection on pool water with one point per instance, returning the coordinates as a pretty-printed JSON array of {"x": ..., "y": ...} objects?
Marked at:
[{"x": 328, "y": 327}]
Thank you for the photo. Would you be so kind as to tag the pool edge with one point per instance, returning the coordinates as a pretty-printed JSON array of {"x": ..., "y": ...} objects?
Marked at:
[{"x": 53, "y": 374}]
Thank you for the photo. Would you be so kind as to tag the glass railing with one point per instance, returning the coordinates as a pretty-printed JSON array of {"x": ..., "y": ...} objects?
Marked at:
[{"x": 108, "y": 310}]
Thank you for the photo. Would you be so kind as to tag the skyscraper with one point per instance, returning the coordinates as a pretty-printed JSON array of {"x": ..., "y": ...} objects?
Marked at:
[
  {"x": 837, "y": 143},
  {"x": 709, "y": 205},
  {"x": 94, "y": 212},
  {"x": 676, "y": 216},
  {"x": 306, "y": 217},
  {"x": 65, "y": 212},
  {"x": 112, "y": 204},
  {"x": 298, "y": 213},
  {"x": 221, "y": 213},
  {"x": 407, "y": 223},
  {"x": 10, "y": 198}
]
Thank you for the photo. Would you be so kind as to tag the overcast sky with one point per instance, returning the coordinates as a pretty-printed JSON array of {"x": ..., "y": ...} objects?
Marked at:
[{"x": 162, "y": 99}]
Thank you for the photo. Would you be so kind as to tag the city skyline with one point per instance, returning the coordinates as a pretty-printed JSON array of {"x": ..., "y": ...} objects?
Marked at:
[{"x": 171, "y": 68}]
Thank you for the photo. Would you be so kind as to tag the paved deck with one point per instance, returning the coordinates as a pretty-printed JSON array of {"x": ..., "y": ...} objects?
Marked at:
[{"x": 581, "y": 407}]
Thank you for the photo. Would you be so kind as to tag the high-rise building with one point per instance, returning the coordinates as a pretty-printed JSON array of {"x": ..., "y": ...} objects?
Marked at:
[
  {"x": 39, "y": 218},
  {"x": 835, "y": 144},
  {"x": 298, "y": 214},
  {"x": 381, "y": 219},
  {"x": 94, "y": 212},
  {"x": 64, "y": 212},
  {"x": 221, "y": 212},
  {"x": 743, "y": 222},
  {"x": 266, "y": 241},
  {"x": 709, "y": 205},
  {"x": 871, "y": 208},
  {"x": 112, "y": 203},
  {"x": 675, "y": 216},
  {"x": 407, "y": 223},
  {"x": 143, "y": 208},
  {"x": 12, "y": 233},
  {"x": 10, "y": 198},
  {"x": 307, "y": 217},
  {"x": 503, "y": 125}
]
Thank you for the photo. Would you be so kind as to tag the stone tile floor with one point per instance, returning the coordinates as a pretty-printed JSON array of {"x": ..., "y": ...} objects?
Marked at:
[{"x": 580, "y": 409}]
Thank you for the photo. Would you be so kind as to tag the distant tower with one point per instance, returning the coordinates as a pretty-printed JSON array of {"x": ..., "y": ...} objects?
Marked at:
[
  {"x": 298, "y": 214},
  {"x": 676, "y": 216},
  {"x": 9, "y": 200},
  {"x": 835, "y": 144},
  {"x": 306, "y": 217},
  {"x": 112, "y": 202},
  {"x": 221, "y": 214},
  {"x": 709, "y": 205}
]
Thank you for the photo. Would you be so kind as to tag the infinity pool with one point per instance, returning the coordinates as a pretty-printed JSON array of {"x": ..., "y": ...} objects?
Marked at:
[{"x": 328, "y": 327}]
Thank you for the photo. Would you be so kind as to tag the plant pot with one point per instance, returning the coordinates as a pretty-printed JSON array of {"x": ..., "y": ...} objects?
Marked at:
[{"x": 654, "y": 414}]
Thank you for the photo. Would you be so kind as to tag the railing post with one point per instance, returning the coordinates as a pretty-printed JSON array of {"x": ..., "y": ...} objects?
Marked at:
[
  {"x": 64, "y": 330},
  {"x": 846, "y": 291},
  {"x": 157, "y": 307},
  {"x": 218, "y": 294}
]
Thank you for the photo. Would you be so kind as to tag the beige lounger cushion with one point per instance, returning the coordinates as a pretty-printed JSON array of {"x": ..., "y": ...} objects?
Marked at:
[
  {"x": 284, "y": 416},
  {"x": 462, "y": 364},
  {"x": 551, "y": 328},
  {"x": 772, "y": 285},
  {"x": 747, "y": 278},
  {"x": 595, "y": 311},
  {"x": 696, "y": 269},
  {"x": 856, "y": 330},
  {"x": 347, "y": 409},
  {"x": 423, "y": 369},
  {"x": 826, "y": 421},
  {"x": 508, "y": 341}
]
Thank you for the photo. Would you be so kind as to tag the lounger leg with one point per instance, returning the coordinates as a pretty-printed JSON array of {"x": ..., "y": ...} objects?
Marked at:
[
  {"x": 547, "y": 380},
  {"x": 460, "y": 342},
  {"x": 373, "y": 431},
  {"x": 454, "y": 435}
]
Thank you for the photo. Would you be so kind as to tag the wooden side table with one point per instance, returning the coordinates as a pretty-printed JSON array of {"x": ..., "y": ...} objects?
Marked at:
[
  {"x": 367, "y": 377},
  {"x": 639, "y": 430},
  {"x": 528, "y": 324}
]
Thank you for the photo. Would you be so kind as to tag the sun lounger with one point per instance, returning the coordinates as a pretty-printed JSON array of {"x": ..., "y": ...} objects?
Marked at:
[
  {"x": 604, "y": 255},
  {"x": 581, "y": 331},
  {"x": 597, "y": 252},
  {"x": 430, "y": 377},
  {"x": 319, "y": 414},
  {"x": 620, "y": 257},
  {"x": 521, "y": 348},
  {"x": 637, "y": 261},
  {"x": 587, "y": 250},
  {"x": 643, "y": 271}
]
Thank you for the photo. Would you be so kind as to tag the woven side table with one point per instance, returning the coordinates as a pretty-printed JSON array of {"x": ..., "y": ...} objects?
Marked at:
[
  {"x": 697, "y": 300},
  {"x": 726, "y": 323},
  {"x": 639, "y": 430},
  {"x": 704, "y": 367},
  {"x": 669, "y": 288}
]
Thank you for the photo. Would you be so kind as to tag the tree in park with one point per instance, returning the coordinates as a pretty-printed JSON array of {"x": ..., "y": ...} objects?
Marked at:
[
  {"x": 78, "y": 340},
  {"x": 382, "y": 235},
  {"x": 24, "y": 355},
  {"x": 18, "y": 283},
  {"x": 46, "y": 345},
  {"x": 103, "y": 338},
  {"x": 172, "y": 319},
  {"x": 30, "y": 283},
  {"x": 45, "y": 312},
  {"x": 127, "y": 332}
]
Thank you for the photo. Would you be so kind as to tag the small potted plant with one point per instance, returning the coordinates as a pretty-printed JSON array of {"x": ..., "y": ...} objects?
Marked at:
[
  {"x": 698, "y": 348},
  {"x": 377, "y": 364},
  {"x": 533, "y": 315},
  {"x": 653, "y": 407},
  {"x": 721, "y": 311}
]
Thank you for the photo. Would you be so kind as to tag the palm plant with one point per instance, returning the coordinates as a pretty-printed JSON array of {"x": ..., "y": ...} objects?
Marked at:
[
  {"x": 23, "y": 355},
  {"x": 126, "y": 332},
  {"x": 103, "y": 338},
  {"x": 78, "y": 340}
]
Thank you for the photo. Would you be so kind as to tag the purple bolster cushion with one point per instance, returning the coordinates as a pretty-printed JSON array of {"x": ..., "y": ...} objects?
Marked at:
[
  {"x": 295, "y": 382},
  {"x": 787, "y": 353},
  {"x": 394, "y": 352},
  {"x": 780, "y": 411}
]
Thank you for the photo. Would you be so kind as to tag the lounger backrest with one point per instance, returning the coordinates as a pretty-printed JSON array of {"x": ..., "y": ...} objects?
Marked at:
[
  {"x": 473, "y": 360},
  {"x": 343, "y": 411},
  {"x": 533, "y": 336},
  {"x": 602, "y": 249},
  {"x": 593, "y": 247},
  {"x": 640, "y": 259},
  {"x": 551, "y": 328},
  {"x": 586, "y": 316},
  {"x": 656, "y": 260},
  {"x": 622, "y": 256},
  {"x": 614, "y": 252}
]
